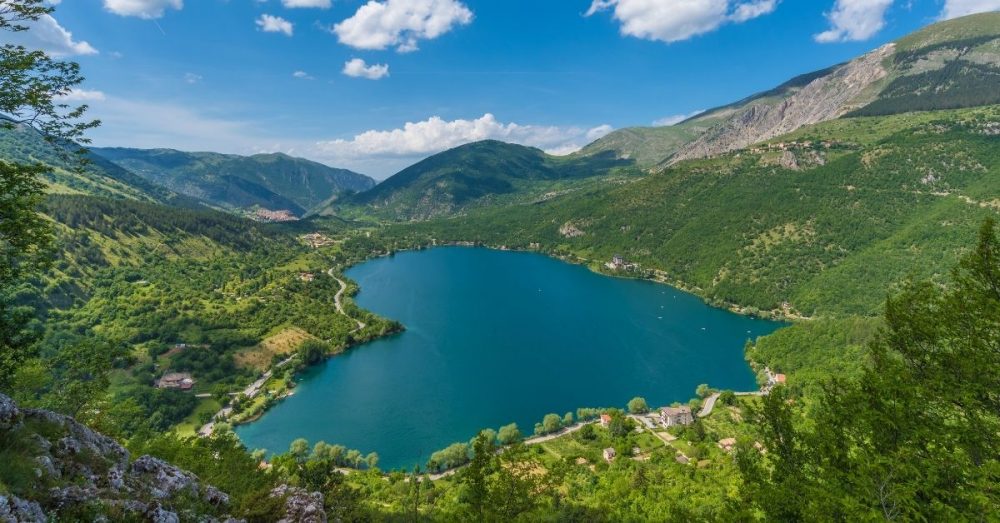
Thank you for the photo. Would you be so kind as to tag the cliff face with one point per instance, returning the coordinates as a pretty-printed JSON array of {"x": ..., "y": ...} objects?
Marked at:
[
  {"x": 825, "y": 98},
  {"x": 54, "y": 468}
]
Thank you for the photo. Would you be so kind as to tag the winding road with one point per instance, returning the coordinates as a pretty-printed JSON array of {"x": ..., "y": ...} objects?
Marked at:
[{"x": 337, "y": 300}]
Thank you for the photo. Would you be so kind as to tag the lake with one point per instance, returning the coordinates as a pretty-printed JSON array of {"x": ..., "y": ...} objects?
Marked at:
[{"x": 496, "y": 337}]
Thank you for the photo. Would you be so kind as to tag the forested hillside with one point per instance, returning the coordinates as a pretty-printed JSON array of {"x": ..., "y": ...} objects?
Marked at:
[
  {"x": 479, "y": 174},
  {"x": 271, "y": 181},
  {"x": 824, "y": 219},
  {"x": 20, "y": 143}
]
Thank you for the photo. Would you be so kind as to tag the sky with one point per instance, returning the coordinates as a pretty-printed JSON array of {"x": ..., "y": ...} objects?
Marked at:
[{"x": 375, "y": 85}]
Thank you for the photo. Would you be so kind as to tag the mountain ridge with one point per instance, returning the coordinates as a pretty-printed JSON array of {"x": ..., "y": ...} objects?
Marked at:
[{"x": 268, "y": 180}]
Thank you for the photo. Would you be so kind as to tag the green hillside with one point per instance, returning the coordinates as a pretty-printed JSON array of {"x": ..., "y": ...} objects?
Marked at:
[
  {"x": 271, "y": 181},
  {"x": 476, "y": 174},
  {"x": 99, "y": 177},
  {"x": 824, "y": 219}
]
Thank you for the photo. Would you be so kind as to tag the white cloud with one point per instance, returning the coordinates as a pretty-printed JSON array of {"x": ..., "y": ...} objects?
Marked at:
[
  {"x": 47, "y": 35},
  {"x": 147, "y": 9},
  {"x": 83, "y": 95},
  {"x": 302, "y": 75},
  {"x": 675, "y": 119},
  {"x": 274, "y": 24},
  {"x": 291, "y": 4},
  {"x": 854, "y": 20},
  {"x": 956, "y": 8},
  {"x": 679, "y": 19},
  {"x": 751, "y": 10},
  {"x": 401, "y": 23},
  {"x": 358, "y": 68},
  {"x": 192, "y": 78},
  {"x": 419, "y": 139}
]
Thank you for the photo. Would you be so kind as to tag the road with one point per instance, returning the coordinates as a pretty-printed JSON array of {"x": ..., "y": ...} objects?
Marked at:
[
  {"x": 337, "y": 300},
  {"x": 709, "y": 404}
]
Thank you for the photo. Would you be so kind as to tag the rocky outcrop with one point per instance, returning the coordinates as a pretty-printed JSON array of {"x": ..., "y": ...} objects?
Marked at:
[
  {"x": 825, "y": 98},
  {"x": 300, "y": 506},
  {"x": 66, "y": 469}
]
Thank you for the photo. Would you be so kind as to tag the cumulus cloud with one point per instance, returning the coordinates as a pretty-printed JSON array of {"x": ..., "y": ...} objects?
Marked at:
[
  {"x": 358, "y": 68},
  {"x": 302, "y": 75},
  {"x": 291, "y": 4},
  {"x": 854, "y": 20},
  {"x": 401, "y": 23},
  {"x": 417, "y": 139},
  {"x": 47, "y": 35},
  {"x": 956, "y": 8},
  {"x": 675, "y": 119},
  {"x": 679, "y": 19},
  {"x": 274, "y": 24},
  {"x": 147, "y": 9}
]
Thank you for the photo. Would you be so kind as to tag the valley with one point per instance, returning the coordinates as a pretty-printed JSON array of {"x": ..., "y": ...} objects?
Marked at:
[{"x": 295, "y": 334}]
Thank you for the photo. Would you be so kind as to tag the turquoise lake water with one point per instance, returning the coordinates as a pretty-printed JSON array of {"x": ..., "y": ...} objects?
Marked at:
[{"x": 497, "y": 337}]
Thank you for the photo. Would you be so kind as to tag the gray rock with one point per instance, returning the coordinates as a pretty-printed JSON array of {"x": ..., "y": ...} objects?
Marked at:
[
  {"x": 300, "y": 506},
  {"x": 10, "y": 415},
  {"x": 164, "y": 479},
  {"x": 16, "y": 510}
]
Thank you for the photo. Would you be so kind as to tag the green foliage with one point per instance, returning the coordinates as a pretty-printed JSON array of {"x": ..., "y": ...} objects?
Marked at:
[
  {"x": 475, "y": 174},
  {"x": 638, "y": 405},
  {"x": 509, "y": 434},
  {"x": 915, "y": 435},
  {"x": 312, "y": 352}
]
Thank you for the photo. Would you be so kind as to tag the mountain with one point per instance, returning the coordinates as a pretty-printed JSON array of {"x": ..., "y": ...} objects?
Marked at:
[
  {"x": 474, "y": 174},
  {"x": 96, "y": 177},
  {"x": 271, "y": 181},
  {"x": 947, "y": 65},
  {"x": 821, "y": 220}
]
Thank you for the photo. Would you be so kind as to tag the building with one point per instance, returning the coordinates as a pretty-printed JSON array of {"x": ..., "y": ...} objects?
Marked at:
[
  {"x": 175, "y": 380},
  {"x": 609, "y": 454},
  {"x": 727, "y": 444},
  {"x": 605, "y": 420},
  {"x": 673, "y": 416},
  {"x": 779, "y": 379},
  {"x": 307, "y": 276}
]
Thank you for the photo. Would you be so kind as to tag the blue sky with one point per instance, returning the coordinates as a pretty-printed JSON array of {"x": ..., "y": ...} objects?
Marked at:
[{"x": 248, "y": 76}]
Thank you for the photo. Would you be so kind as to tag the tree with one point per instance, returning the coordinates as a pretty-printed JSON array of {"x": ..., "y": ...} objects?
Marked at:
[
  {"x": 915, "y": 437},
  {"x": 703, "y": 391},
  {"x": 371, "y": 460},
  {"x": 31, "y": 86},
  {"x": 638, "y": 405},
  {"x": 619, "y": 426},
  {"x": 312, "y": 352},
  {"x": 551, "y": 423},
  {"x": 509, "y": 434},
  {"x": 299, "y": 449},
  {"x": 567, "y": 419}
]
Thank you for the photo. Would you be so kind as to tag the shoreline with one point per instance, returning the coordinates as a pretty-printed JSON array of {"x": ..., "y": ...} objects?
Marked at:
[{"x": 659, "y": 277}]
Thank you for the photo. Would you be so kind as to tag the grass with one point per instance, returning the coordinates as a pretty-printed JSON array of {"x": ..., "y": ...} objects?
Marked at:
[
  {"x": 191, "y": 424},
  {"x": 259, "y": 357}
]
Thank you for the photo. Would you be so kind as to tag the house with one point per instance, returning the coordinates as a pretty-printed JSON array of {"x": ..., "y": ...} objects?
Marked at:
[
  {"x": 609, "y": 454},
  {"x": 682, "y": 459},
  {"x": 779, "y": 379},
  {"x": 617, "y": 261},
  {"x": 307, "y": 276},
  {"x": 727, "y": 444},
  {"x": 605, "y": 420},
  {"x": 672, "y": 416},
  {"x": 175, "y": 380}
]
